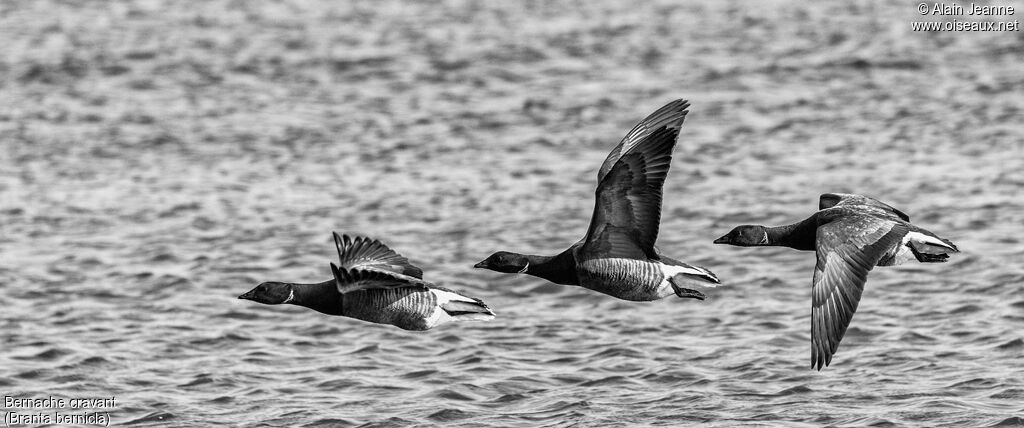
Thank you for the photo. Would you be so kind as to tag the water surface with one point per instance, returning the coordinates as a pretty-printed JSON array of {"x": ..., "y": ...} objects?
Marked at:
[{"x": 160, "y": 158}]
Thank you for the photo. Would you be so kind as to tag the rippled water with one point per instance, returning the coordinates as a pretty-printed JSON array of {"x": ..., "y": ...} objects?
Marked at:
[{"x": 159, "y": 158}]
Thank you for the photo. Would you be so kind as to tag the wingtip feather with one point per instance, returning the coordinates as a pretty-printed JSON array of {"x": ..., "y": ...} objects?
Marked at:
[
  {"x": 338, "y": 243},
  {"x": 337, "y": 273}
]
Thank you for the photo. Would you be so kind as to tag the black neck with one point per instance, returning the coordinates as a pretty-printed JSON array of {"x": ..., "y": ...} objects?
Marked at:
[
  {"x": 321, "y": 297},
  {"x": 560, "y": 269},
  {"x": 800, "y": 236}
]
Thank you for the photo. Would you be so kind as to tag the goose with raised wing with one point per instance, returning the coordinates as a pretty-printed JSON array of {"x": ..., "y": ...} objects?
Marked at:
[
  {"x": 374, "y": 283},
  {"x": 617, "y": 256}
]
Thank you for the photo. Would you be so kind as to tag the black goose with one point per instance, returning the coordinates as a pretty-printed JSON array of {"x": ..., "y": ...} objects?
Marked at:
[
  {"x": 378, "y": 285},
  {"x": 851, "y": 234},
  {"x": 617, "y": 257}
]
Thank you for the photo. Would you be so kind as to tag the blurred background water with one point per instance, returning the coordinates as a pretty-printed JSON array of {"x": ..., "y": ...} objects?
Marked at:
[{"x": 159, "y": 158}]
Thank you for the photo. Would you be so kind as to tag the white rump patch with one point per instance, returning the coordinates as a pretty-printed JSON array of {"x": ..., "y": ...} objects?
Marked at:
[
  {"x": 925, "y": 239},
  {"x": 902, "y": 253},
  {"x": 440, "y": 316},
  {"x": 447, "y": 296},
  {"x": 670, "y": 271}
]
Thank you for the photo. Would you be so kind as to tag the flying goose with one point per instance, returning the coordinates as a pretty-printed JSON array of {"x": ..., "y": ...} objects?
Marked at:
[
  {"x": 617, "y": 257},
  {"x": 851, "y": 234},
  {"x": 373, "y": 283}
]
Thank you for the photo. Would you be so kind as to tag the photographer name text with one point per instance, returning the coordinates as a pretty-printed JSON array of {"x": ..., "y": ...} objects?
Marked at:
[{"x": 955, "y": 9}]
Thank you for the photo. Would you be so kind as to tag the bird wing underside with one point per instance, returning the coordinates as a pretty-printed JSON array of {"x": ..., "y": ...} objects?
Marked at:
[
  {"x": 669, "y": 116},
  {"x": 847, "y": 249},
  {"x": 627, "y": 211}
]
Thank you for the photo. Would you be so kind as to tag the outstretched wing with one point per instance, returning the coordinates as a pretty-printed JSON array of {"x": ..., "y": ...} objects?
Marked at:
[
  {"x": 627, "y": 213},
  {"x": 829, "y": 200},
  {"x": 370, "y": 254},
  {"x": 847, "y": 249},
  {"x": 349, "y": 280},
  {"x": 670, "y": 116}
]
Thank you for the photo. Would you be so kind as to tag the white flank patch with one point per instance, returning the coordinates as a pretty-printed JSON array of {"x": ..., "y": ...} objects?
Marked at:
[{"x": 438, "y": 317}]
